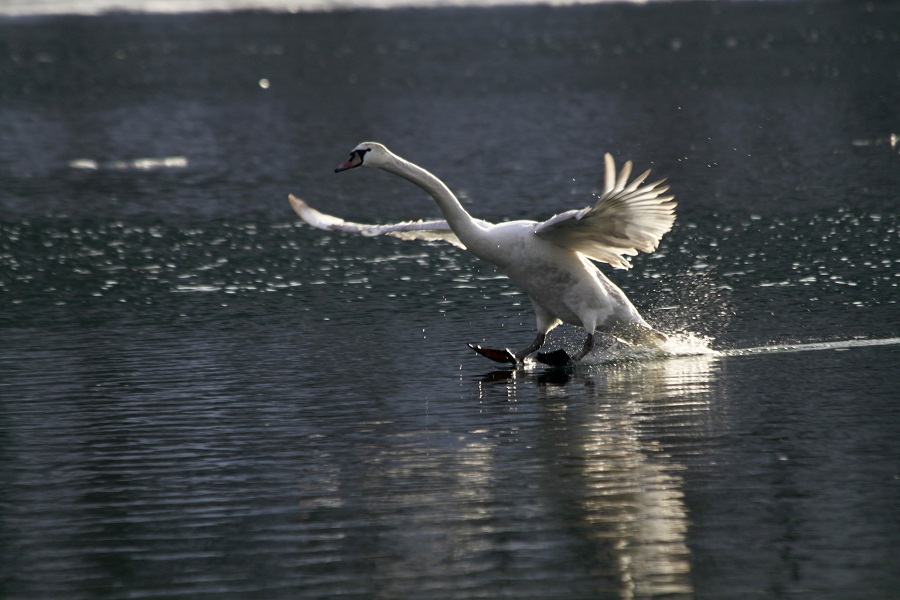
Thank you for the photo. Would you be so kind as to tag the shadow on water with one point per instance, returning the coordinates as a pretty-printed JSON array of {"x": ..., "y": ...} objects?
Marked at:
[{"x": 621, "y": 431}]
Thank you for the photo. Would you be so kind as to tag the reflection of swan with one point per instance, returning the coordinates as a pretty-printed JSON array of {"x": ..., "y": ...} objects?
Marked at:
[
  {"x": 549, "y": 260},
  {"x": 632, "y": 469},
  {"x": 623, "y": 432}
]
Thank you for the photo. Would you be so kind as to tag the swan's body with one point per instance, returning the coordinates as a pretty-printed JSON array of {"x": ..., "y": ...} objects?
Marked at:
[{"x": 550, "y": 261}]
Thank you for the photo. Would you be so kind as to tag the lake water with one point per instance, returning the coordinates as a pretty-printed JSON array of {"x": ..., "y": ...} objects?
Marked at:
[{"x": 201, "y": 397}]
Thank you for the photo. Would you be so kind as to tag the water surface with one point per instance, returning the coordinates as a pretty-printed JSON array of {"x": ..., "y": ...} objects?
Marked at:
[{"x": 201, "y": 397}]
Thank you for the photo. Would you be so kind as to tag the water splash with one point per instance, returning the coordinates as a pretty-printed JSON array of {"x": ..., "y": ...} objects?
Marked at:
[{"x": 677, "y": 346}]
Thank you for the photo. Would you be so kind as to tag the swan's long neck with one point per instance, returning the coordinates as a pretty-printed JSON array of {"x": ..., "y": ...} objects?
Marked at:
[{"x": 461, "y": 222}]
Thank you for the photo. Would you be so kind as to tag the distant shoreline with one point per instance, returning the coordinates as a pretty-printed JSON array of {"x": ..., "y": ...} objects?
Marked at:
[{"x": 50, "y": 8}]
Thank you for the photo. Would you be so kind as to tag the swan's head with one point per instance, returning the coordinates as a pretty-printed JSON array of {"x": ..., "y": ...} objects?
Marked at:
[{"x": 369, "y": 154}]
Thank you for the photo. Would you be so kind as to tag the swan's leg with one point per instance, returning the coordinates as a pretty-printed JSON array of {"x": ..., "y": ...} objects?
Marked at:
[
  {"x": 590, "y": 325},
  {"x": 534, "y": 347},
  {"x": 561, "y": 358},
  {"x": 588, "y": 345},
  {"x": 545, "y": 322}
]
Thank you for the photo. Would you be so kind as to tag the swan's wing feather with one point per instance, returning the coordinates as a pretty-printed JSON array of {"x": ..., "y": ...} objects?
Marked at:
[
  {"x": 431, "y": 231},
  {"x": 627, "y": 218}
]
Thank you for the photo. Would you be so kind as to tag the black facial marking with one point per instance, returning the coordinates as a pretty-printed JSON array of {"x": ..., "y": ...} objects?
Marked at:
[{"x": 355, "y": 160}]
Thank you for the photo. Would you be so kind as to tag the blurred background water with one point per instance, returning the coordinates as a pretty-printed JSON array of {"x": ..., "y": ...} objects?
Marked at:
[{"x": 201, "y": 397}]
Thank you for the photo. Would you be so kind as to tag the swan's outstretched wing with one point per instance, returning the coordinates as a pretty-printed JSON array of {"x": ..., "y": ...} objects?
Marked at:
[
  {"x": 626, "y": 218},
  {"x": 430, "y": 231}
]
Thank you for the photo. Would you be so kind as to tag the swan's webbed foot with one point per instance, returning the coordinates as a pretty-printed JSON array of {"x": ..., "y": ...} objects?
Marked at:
[
  {"x": 501, "y": 356},
  {"x": 557, "y": 358}
]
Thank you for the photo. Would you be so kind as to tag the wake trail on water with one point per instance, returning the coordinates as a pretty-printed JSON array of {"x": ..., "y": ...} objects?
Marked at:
[
  {"x": 833, "y": 345},
  {"x": 692, "y": 345}
]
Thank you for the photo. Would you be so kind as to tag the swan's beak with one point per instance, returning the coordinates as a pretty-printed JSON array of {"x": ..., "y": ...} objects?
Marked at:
[{"x": 355, "y": 160}]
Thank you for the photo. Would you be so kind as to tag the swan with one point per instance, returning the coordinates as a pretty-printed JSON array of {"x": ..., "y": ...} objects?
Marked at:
[{"x": 551, "y": 260}]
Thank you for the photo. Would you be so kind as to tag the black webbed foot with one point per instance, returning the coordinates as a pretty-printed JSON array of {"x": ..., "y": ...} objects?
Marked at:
[
  {"x": 501, "y": 356},
  {"x": 557, "y": 358}
]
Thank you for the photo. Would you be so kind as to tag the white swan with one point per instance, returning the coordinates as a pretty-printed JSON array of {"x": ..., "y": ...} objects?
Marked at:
[{"x": 551, "y": 261}]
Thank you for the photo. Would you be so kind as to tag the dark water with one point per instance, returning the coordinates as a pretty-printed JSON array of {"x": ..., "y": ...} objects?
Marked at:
[{"x": 201, "y": 398}]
